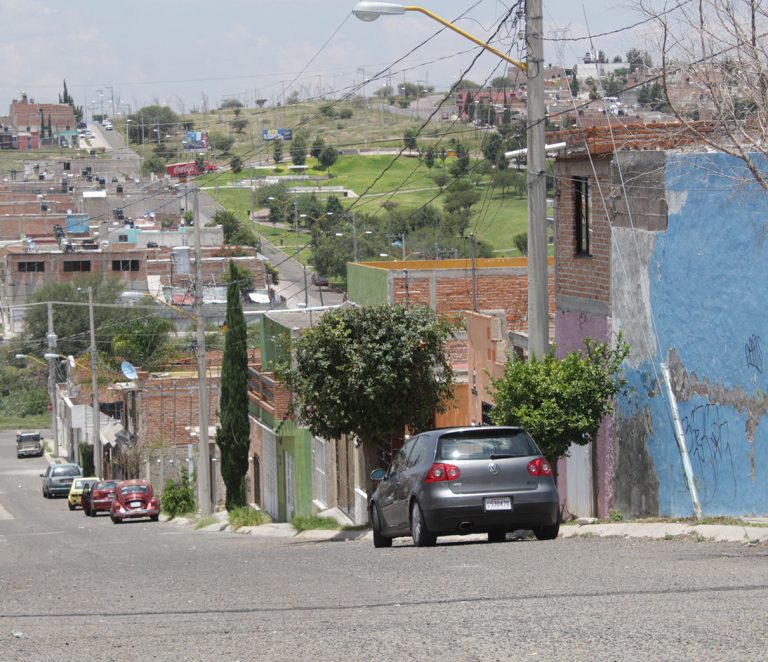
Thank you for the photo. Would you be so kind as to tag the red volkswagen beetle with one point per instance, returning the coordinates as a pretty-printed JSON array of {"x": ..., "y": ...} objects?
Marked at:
[{"x": 134, "y": 498}]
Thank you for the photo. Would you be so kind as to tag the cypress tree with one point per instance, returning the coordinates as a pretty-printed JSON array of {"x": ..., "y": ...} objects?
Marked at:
[{"x": 232, "y": 435}]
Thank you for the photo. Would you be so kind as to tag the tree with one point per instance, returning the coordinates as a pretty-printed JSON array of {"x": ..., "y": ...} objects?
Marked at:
[
  {"x": 239, "y": 125},
  {"x": 460, "y": 166},
  {"x": 232, "y": 434},
  {"x": 330, "y": 255},
  {"x": 234, "y": 230},
  {"x": 200, "y": 163},
  {"x": 637, "y": 59},
  {"x": 459, "y": 199},
  {"x": 409, "y": 139},
  {"x": 221, "y": 142},
  {"x": 520, "y": 241},
  {"x": 244, "y": 277},
  {"x": 328, "y": 157},
  {"x": 298, "y": 150},
  {"x": 153, "y": 164},
  {"x": 441, "y": 179},
  {"x": 231, "y": 104},
  {"x": 317, "y": 147},
  {"x": 574, "y": 85},
  {"x": 144, "y": 341},
  {"x": 71, "y": 321},
  {"x": 236, "y": 164},
  {"x": 560, "y": 401},
  {"x": 371, "y": 372},
  {"x": 277, "y": 151},
  {"x": 429, "y": 157},
  {"x": 720, "y": 55},
  {"x": 492, "y": 145}
]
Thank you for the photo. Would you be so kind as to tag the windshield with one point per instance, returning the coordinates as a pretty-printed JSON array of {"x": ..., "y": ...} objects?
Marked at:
[
  {"x": 105, "y": 485},
  {"x": 476, "y": 445},
  {"x": 29, "y": 437},
  {"x": 66, "y": 471}
]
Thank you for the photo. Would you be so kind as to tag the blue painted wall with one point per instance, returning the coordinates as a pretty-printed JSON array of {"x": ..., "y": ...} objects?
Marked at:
[{"x": 708, "y": 308}]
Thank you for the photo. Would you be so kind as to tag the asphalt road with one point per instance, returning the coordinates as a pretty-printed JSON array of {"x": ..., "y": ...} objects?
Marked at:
[{"x": 74, "y": 588}]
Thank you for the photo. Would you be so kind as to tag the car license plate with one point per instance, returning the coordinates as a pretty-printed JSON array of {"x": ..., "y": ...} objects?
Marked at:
[
  {"x": 498, "y": 503},
  {"x": 135, "y": 504}
]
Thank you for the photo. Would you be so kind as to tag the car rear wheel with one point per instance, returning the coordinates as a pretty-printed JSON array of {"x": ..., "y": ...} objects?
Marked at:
[
  {"x": 497, "y": 535},
  {"x": 379, "y": 540},
  {"x": 547, "y": 532},
  {"x": 154, "y": 518},
  {"x": 93, "y": 512},
  {"x": 419, "y": 532},
  {"x": 45, "y": 494}
]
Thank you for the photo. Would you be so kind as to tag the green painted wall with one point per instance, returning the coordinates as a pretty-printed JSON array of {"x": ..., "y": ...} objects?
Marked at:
[
  {"x": 296, "y": 442},
  {"x": 366, "y": 285}
]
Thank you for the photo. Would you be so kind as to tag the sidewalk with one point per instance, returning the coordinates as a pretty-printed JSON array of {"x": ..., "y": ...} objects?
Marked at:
[{"x": 755, "y": 531}]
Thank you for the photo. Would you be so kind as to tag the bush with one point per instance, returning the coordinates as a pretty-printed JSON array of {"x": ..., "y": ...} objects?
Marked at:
[
  {"x": 345, "y": 113},
  {"x": 178, "y": 496},
  {"x": 305, "y": 523},
  {"x": 86, "y": 460},
  {"x": 247, "y": 517},
  {"x": 521, "y": 242}
]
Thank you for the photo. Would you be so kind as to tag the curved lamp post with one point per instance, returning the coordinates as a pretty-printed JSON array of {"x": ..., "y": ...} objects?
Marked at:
[{"x": 538, "y": 286}]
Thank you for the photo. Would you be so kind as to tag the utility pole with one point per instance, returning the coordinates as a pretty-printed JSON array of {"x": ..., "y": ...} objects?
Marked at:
[
  {"x": 306, "y": 292},
  {"x": 474, "y": 272},
  {"x": 204, "y": 463},
  {"x": 52, "y": 381},
  {"x": 538, "y": 272},
  {"x": 98, "y": 456},
  {"x": 354, "y": 239}
]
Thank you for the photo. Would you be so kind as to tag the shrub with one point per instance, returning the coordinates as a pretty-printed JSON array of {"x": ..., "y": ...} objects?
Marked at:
[
  {"x": 345, "y": 113},
  {"x": 247, "y": 517},
  {"x": 178, "y": 496},
  {"x": 305, "y": 523},
  {"x": 521, "y": 242},
  {"x": 86, "y": 459}
]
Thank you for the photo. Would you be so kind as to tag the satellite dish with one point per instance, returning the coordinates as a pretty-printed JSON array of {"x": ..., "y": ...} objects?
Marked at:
[{"x": 128, "y": 370}]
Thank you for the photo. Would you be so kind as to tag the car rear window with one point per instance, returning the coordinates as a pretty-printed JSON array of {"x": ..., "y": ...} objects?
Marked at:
[
  {"x": 66, "y": 471},
  {"x": 480, "y": 446},
  {"x": 134, "y": 489}
]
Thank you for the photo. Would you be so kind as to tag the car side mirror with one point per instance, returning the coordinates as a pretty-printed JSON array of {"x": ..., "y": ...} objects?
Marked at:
[
  {"x": 378, "y": 474},
  {"x": 42, "y": 475}
]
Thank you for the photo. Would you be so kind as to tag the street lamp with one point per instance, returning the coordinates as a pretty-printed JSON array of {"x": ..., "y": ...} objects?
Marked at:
[{"x": 538, "y": 288}]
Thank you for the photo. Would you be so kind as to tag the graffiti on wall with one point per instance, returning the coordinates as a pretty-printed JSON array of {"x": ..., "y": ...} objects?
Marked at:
[
  {"x": 754, "y": 353},
  {"x": 706, "y": 435}
]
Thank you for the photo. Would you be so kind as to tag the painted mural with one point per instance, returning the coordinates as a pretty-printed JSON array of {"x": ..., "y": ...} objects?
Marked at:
[{"x": 694, "y": 296}]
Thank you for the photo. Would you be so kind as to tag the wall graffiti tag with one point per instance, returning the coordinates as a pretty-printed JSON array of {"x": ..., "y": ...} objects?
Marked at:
[
  {"x": 754, "y": 353},
  {"x": 709, "y": 447}
]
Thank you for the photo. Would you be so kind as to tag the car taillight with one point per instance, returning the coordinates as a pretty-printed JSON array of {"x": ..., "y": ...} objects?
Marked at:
[
  {"x": 539, "y": 467},
  {"x": 439, "y": 472}
]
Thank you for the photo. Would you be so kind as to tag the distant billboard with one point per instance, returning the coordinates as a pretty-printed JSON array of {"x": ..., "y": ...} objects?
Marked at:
[
  {"x": 196, "y": 140},
  {"x": 271, "y": 134}
]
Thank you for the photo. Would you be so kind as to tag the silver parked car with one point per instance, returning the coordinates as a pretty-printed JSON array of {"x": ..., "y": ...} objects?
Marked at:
[
  {"x": 58, "y": 478},
  {"x": 465, "y": 480}
]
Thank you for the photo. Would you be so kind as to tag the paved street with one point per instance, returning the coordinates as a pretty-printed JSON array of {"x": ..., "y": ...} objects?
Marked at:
[{"x": 74, "y": 587}]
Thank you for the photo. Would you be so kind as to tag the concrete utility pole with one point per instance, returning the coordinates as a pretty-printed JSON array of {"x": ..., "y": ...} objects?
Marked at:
[
  {"x": 98, "y": 455},
  {"x": 204, "y": 463},
  {"x": 538, "y": 271},
  {"x": 52, "y": 381}
]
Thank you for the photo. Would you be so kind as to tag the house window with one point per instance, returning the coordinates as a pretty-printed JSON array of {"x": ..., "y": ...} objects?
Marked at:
[
  {"x": 122, "y": 237},
  {"x": 77, "y": 265},
  {"x": 581, "y": 214},
  {"x": 125, "y": 265},
  {"x": 27, "y": 267}
]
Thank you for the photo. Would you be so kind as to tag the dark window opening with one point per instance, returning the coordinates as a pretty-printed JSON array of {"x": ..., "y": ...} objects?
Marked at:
[
  {"x": 27, "y": 267},
  {"x": 77, "y": 265},
  {"x": 125, "y": 265},
  {"x": 581, "y": 214}
]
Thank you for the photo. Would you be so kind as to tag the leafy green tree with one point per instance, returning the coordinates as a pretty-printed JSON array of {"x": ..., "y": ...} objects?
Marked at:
[
  {"x": 144, "y": 341},
  {"x": 236, "y": 164},
  {"x": 298, "y": 150},
  {"x": 637, "y": 59},
  {"x": 232, "y": 434},
  {"x": 153, "y": 164},
  {"x": 330, "y": 255},
  {"x": 70, "y": 322},
  {"x": 328, "y": 157},
  {"x": 460, "y": 166},
  {"x": 317, "y": 147},
  {"x": 371, "y": 372},
  {"x": 561, "y": 401},
  {"x": 239, "y": 125},
  {"x": 235, "y": 232},
  {"x": 575, "y": 86},
  {"x": 441, "y": 179},
  {"x": 244, "y": 277},
  {"x": 277, "y": 151},
  {"x": 164, "y": 151},
  {"x": 231, "y": 104},
  {"x": 429, "y": 157},
  {"x": 461, "y": 195},
  {"x": 221, "y": 142},
  {"x": 520, "y": 241},
  {"x": 409, "y": 139},
  {"x": 345, "y": 114},
  {"x": 492, "y": 146},
  {"x": 200, "y": 162}
]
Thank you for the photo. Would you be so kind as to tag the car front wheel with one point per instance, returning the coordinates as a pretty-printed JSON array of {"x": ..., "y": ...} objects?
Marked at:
[
  {"x": 115, "y": 520},
  {"x": 379, "y": 540},
  {"x": 419, "y": 532},
  {"x": 547, "y": 532},
  {"x": 70, "y": 505}
]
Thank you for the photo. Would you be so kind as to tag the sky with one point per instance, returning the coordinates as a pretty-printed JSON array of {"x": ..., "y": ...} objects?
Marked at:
[{"x": 118, "y": 57}]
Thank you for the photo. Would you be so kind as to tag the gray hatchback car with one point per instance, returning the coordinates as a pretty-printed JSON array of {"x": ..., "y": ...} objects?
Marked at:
[
  {"x": 465, "y": 480},
  {"x": 58, "y": 478}
]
